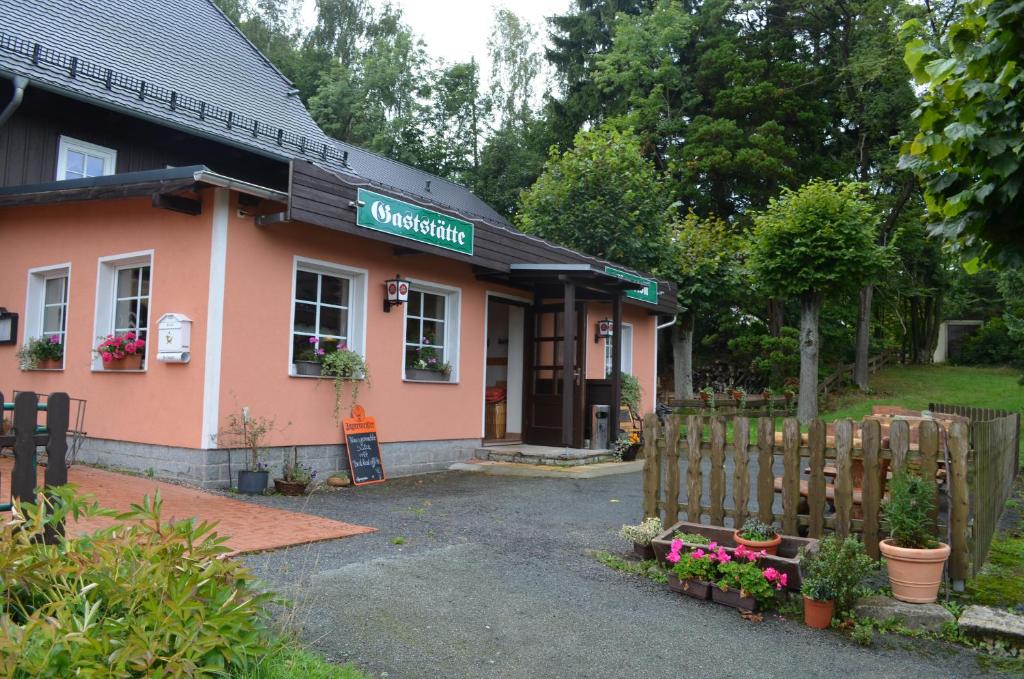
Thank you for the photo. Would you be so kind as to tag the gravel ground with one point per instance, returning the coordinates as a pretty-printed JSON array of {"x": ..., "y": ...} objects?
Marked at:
[{"x": 492, "y": 580}]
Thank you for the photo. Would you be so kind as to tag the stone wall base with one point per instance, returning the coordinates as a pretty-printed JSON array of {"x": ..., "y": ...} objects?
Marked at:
[{"x": 209, "y": 468}]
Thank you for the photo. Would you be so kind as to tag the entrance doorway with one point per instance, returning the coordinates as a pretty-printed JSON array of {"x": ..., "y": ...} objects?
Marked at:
[
  {"x": 546, "y": 391},
  {"x": 503, "y": 393}
]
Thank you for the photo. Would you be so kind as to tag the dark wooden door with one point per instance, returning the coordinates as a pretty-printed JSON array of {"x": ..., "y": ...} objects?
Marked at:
[{"x": 543, "y": 392}]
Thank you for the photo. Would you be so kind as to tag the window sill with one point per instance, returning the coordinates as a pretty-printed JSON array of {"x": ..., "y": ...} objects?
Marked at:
[
  {"x": 43, "y": 370},
  {"x": 412, "y": 381},
  {"x": 318, "y": 377},
  {"x": 114, "y": 372}
]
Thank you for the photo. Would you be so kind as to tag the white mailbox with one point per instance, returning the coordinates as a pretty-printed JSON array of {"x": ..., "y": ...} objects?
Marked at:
[{"x": 174, "y": 337}]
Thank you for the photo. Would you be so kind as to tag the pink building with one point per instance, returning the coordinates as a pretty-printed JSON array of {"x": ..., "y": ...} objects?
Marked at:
[{"x": 167, "y": 182}]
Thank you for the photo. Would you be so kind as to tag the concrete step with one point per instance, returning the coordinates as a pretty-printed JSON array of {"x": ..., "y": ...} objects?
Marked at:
[{"x": 545, "y": 455}]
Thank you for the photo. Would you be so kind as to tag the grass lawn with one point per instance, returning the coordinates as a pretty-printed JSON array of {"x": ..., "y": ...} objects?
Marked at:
[{"x": 291, "y": 661}]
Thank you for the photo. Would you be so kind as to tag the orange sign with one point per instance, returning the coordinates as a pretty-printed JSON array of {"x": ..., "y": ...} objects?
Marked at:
[{"x": 362, "y": 448}]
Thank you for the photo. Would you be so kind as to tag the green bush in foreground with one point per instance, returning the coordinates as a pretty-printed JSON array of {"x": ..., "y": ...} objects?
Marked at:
[{"x": 140, "y": 599}]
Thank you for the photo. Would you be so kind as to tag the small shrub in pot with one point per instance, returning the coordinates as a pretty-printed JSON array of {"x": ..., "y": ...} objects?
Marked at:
[
  {"x": 914, "y": 557},
  {"x": 757, "y": 535},
  {"x": 641, "y": 536},
  {"x": 831, "y": 578}
]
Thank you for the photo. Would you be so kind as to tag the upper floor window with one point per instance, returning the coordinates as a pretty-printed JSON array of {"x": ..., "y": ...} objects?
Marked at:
[
  {"x": 327, "y": 312},
  {"x": 78, "y": 159},
  {"x": 432, "y": 333}
]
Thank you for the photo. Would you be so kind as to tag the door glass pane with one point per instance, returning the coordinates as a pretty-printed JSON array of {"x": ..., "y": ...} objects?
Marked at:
[
  {"x": 55, "y": 290},
  {"x": 334, "y": 290},
  {"x": 93, "y": 166},
  {"x": 305, "y": 318},
  {"x": 305, "y": 286}
]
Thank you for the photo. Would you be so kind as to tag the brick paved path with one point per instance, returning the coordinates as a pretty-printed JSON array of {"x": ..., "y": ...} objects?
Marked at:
[{"x": 249, "y": 527}]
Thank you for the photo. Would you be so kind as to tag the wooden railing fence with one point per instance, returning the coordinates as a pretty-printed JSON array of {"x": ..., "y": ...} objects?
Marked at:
[
  {"x": 856, "y": 456},
  {"x": 24, "y": 434}
]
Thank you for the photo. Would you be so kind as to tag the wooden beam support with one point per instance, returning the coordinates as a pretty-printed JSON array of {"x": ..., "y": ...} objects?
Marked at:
[
  {"x": 276, "y": 218},
  {"x": 188, "y": 206},
  {"x": 568, "y": 363}
]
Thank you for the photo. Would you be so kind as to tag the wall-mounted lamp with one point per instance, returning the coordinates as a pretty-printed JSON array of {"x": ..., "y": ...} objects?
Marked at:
[
  {"x": 396, "y": 292},
  {"x": 605, "y": 329},
  {"x": 8, "y": 326}
]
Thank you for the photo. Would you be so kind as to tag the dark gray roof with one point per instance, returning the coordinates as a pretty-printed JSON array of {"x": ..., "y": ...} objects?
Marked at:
[{"x": 154, "y": 48}]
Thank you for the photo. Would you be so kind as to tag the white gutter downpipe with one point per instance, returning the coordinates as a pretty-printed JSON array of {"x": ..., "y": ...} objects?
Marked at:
[
  {"x": 669, "y": 324},
  {"x": 20, "y": 83}
]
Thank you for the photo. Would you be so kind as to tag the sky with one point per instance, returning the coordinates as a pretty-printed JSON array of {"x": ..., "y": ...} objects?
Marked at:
[{"x": 456, "y": 30}]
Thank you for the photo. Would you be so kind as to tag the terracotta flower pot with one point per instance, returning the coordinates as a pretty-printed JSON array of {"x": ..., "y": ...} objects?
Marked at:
[
  {"x": 50, "y": 364},
  {"x": 129, "y": 362},
  {"x": 698, "y": 589},
  {"x": 769, "y": 546},
  {"x": 818, "y": 614},
  {"x": 645, "y": 552},
  {"x": 915, "y": 574},
  {"x": 292, "y": 488}
]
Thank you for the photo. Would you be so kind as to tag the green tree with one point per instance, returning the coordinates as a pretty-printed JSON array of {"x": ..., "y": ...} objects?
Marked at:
[
  {"x": 604, "y": 198},
  {"x": 812, "y": 244},
  {"x": 969, "y": 147},
  {"x": 452, "y": 121}
]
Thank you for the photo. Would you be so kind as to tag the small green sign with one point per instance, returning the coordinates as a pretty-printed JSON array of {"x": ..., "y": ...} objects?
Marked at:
[
  {"x": 383, "y": 213},
  {"x": 649, "y": 293}
]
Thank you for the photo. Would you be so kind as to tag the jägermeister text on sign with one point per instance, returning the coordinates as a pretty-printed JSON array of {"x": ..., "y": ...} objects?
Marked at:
[
  {"x": 648, "y": 293},
  {"x": 390, "y": 215}
]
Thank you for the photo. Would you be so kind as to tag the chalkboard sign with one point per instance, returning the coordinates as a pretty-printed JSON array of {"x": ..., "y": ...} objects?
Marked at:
[{"x": 363, "y": 449}]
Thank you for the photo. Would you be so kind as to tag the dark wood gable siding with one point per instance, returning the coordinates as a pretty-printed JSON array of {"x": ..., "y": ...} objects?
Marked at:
[{"x": 322, "y": 198}]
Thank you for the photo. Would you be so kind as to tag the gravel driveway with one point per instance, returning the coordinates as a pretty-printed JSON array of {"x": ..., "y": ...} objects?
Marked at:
[{"x": 492, "y": 580}]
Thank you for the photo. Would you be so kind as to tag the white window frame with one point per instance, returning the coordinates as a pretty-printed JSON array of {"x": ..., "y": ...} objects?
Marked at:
[
  {"x": 452, "y": 326},
  {"x": 106, "y": 291},
  {"x": 35, "y": 301},
  {"x": 66, "y": 144},
  {"x": 626, "y": 362},
  {"x": 357, "y": 291}
]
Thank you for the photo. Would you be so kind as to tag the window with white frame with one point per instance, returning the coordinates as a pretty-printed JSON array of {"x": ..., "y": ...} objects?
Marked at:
[
  {"x": 432, "y": 333},
  {"x": 123, "y": 293},
  {"x": 627, "y": 352},
  {"x": 78, "y": 159},
  {"x": 328, "y": 310},
  {"x": 47, "y": 306}
]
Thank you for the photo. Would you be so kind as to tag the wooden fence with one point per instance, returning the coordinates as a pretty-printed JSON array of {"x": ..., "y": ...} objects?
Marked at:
[
  {"x": 24, "y": 434},
  {"x": 857, "y": 457},
  {"x": 844, "y": 373}
]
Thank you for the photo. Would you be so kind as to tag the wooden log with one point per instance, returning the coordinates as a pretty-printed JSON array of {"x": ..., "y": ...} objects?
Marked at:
[
  {"x": 899, "y": 444},
  {"x": 790, "y": 474},
  {"x": 651, "y": 463},
  {"x": 741, "y": 469},
  {"x": 671, "y": 493},
  {"x": 844, "y": 477},
  {"x": 959, "y": 560},
  {"x": 816, "y": 482},
  {"x": 23, "y": 476},
  {"x": 717, "y": 485},
  {"x": 871, "y": 494},
  {"x": 928, "y": 447},
  {"x": 694, "y": 477},
  {"x": 765, "y": 473}
]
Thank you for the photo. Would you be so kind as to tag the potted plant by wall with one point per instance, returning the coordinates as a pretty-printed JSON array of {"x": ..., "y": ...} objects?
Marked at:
[
  {"x": 756, "y": 535},
  {"x": 122, "y": 352},
  {"x": 913, "y": 556},
  {"x": 739, "y": 395},
  {"x": 641, "y": 535},
  {"x": 694, "y": 573},
  {"x": 309, "y": 360},
  {"x": 296, "y": 476},
  {"x": 41, "y": 353},
  {"x": 348, "y": 370},
  {"x": 424, "y": 363},
  {"x": 245, "y": 431},
  {"x": 707, "y": 397},
  {"x": 831, "y": 578}
]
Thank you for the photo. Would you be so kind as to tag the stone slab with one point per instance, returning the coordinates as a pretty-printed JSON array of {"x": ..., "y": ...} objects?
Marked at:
[
  {"x": 521, "y": 453},
  {"x": 927, "y": 617},
  {"x": 991, "y": 623},
  {"x": 589, "y": 471}
]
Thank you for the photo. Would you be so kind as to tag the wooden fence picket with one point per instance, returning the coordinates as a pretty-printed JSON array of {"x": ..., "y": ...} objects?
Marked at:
[
  {"x": 672, "y": 471},
  {"x": 899, "y": 444},
  {"x": 959, "y": 559},
  {"x": 694, "y": 480},
  {"x": 765, "y": 470},
  {"x": 844, "y": 477},
  {"x": 928, "y": 448},
  {"x": 651, "y": 464},
  {"x": 741, "y": 469},
  {"x": 790, "y": 474},
  {"x": 23, "y": 476},
  {"x": 816, "y": 480},
  {"x": 717, "y": 485},
  {"x": 871, "y": 493}
]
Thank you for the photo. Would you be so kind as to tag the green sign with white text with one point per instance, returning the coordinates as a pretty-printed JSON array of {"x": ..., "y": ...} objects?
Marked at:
[
  {"x": 649, "y": 293},
  {"x": 389, "y": 215}
]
